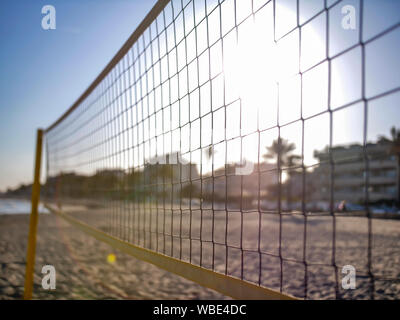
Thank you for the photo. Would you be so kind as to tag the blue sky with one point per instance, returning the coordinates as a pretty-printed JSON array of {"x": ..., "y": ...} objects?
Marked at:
[{"x": 43, "y": 72}]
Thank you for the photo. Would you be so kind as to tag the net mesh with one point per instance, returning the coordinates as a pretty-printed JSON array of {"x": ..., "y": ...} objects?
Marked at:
[{"x": 241, "y": 136}]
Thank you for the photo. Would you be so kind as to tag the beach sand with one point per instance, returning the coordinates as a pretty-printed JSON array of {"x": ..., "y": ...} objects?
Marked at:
[
  {"x": 82, "y": 270},
  {"x": 84, "y": 273}
]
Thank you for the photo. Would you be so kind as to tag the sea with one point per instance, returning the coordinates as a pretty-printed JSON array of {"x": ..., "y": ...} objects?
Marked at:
[{"x": 18, "y": 206}]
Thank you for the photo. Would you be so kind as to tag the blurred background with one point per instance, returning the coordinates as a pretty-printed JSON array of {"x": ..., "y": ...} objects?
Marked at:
[{"x": 304, "y": 92}]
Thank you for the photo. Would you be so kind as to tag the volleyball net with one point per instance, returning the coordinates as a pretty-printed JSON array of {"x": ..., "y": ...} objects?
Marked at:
[{"x": 229, "y": 142}]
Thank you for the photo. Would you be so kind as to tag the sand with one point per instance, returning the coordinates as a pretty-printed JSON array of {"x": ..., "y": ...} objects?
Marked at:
[
  {"x": 82, "y": 270},
  {"x": 84, "y": 273}
]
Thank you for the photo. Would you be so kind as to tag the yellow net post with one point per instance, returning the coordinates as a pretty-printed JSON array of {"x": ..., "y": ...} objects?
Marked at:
[{"x": 30, "y": 255}]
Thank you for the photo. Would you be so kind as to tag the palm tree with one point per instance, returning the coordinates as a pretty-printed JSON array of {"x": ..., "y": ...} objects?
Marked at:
[
  {"x": 282, "y": 149},
  {"x": 209, "y": 152},
  {"x": 394, "y": 141}
]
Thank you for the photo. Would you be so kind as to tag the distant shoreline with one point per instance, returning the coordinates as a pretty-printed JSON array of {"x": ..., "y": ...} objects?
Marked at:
[
  {"x": 17, "y": 206},
  {"x": 15, "y": 197}
]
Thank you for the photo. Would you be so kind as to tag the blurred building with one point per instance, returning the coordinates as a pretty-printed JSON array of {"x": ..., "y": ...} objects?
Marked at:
[
  {"x": 226, "y": 184},
  {"x": 350, "y": 168}
]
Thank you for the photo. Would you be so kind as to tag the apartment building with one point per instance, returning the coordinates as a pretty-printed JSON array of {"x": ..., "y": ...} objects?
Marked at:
[{"x": 350, "y": 168}]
